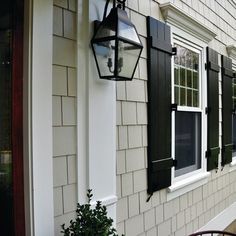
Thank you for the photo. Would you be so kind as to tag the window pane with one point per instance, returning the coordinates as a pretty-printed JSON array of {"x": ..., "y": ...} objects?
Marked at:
[
  {"x": 189, "y": 78},
  {"x": 183, "y": 97},
  {"x": 182, "y": 76},
  {"x": 195, "y": 99},
  {"x": 176, "y": 75},
  {"x": 195, "y": 80},
  {"x": 187, "y": 142},
  {"x": 176, "y": 95},
  {"x": 189, "y": 97}
]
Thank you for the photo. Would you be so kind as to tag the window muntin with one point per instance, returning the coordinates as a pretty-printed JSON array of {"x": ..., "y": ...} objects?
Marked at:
[{"x": 186, "y": 93}]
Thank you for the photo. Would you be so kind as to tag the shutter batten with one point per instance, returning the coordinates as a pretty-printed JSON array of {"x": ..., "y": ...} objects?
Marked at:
[
  {"x": 159, "y": 107},
  {"x": 213, "y": 149},
  {"x": 227, "y": 106}
]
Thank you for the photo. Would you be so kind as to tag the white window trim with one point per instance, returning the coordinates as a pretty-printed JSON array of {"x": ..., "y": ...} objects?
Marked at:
[
  {"x": 190, "y": 181},
  {"x": 184, "y": 26},
  {"x": 188, "y": 184},
  {"x": 181, "y": 19},
  {"x": 200, "y": 109},
  {"x": 231, "y": 50}
]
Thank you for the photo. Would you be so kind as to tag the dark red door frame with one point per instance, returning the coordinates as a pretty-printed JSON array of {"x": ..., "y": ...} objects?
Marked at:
[{"x": 17, "y": 118}]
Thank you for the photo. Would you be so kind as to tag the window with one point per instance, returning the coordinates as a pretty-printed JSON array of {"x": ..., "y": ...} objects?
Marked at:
[
  {"x": 187, "y": 120},
  {"x": 177, "y": 96}
]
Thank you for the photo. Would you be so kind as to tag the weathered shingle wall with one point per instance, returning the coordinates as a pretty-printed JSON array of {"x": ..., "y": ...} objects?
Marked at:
[
  {"x": 189, "y": 212},
  {"x": 64, "y": 111}
]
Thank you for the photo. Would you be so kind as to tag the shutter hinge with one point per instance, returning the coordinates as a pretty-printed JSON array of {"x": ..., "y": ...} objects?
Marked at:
[
  {"x": 207, "y": 110},
  {"x": 234, "y": 74},
  {"x": 174, "y": 51},
  {"x": 206, "y": 66},
  {"x": 207, "y": 154},
  {"x": 223, "y": 149},
  {"x": 174, "y": 107},
  {"x": 234, "y": 111},
  {"x": 174, "y": 162}
]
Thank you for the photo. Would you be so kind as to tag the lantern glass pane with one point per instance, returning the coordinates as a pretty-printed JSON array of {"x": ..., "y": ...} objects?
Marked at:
[
  {"x": 106, "y": 29},
  {"x": 105, "y": 56},
  {"x": 128, "y": 31},
  {"x": 127, "y": 59}
]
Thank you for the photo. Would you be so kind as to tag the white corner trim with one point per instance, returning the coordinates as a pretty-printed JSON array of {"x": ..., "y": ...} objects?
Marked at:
[
  {"x": 41, "y": 119},
  {"x": 231, "y": 49},
  {"x": 183, "y": 186},
  {"x": 222, "y": 220},
  {"x": 82, "y": 99},
  {"x": 177, "y": 17},
  {"x": 96, "y": 117}
]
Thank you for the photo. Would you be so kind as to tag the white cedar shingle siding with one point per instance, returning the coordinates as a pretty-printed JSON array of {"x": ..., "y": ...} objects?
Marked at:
[
  {"x": 189, "y": 212},
  {"x": 64, "y": 112}
]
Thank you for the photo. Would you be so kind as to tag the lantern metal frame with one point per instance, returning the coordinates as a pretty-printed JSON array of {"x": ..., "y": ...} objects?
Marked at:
[{"x": 117, "y": 12}]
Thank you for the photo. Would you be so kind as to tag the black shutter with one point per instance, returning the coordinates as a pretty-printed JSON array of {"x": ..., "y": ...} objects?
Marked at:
[
  {"x": 227, "y": 107},
  {"x": 159, "y": 106},
  {"x": 212, "y": 109}
]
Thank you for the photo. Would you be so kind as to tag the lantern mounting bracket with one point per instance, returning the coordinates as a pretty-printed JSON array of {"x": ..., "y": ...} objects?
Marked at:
[{"x": 121, "y": 5}]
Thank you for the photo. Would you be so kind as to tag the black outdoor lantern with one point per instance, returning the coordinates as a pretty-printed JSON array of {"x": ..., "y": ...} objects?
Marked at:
[{"x": 116, "y": 44}]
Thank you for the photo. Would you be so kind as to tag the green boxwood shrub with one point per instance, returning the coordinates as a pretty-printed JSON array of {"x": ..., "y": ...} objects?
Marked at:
[{"x": 90, "y": 221}]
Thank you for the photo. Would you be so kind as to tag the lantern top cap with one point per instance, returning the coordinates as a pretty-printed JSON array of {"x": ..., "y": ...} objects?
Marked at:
[{"x": 117, "y": 24}]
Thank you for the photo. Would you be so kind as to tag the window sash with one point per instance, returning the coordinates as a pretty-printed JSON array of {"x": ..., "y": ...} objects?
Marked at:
[
  {"x": 197, "y": 143},
  {"x": 202, "y": 104},
  {"x": 180, "y": 89}
]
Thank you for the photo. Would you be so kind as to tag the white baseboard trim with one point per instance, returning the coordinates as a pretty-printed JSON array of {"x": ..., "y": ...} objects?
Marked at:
[
  {"x": 107, "y": 201},
  {"x": 222, "y": 220}
]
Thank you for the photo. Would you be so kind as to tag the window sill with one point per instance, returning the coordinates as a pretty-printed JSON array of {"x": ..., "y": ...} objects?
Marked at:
[{"x": 181, "y": 187}]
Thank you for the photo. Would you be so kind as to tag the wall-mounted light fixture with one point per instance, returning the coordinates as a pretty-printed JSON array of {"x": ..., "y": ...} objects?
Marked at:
[{"x": 116, "y": 44}]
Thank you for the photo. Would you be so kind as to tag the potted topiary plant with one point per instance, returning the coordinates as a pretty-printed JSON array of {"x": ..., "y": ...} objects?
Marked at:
[{"x": 90, "y": 221}]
